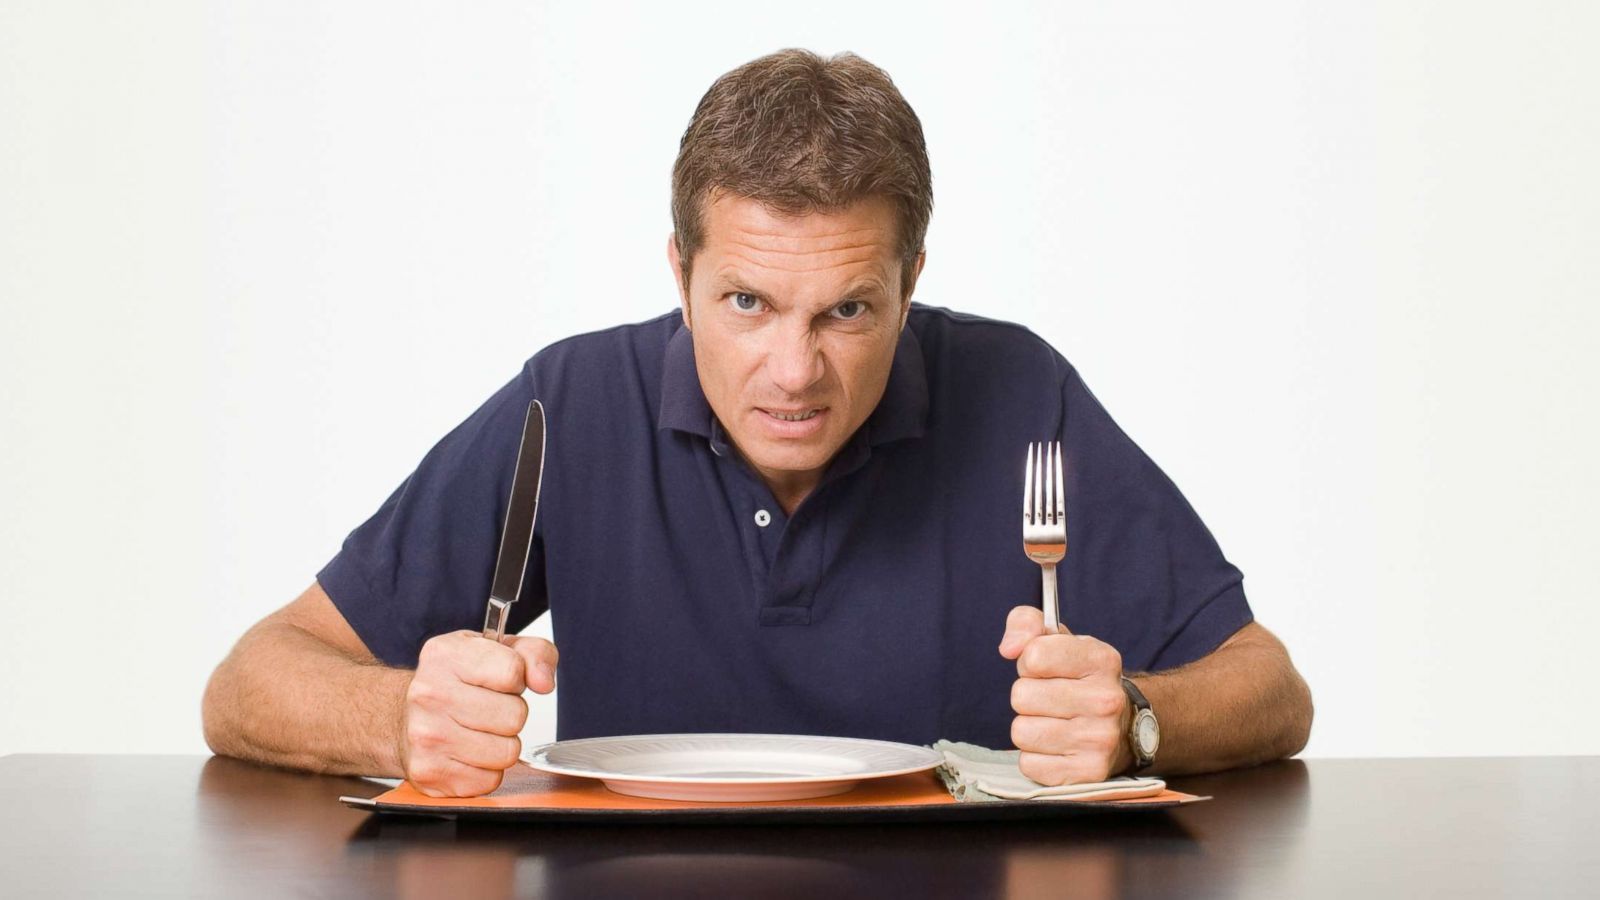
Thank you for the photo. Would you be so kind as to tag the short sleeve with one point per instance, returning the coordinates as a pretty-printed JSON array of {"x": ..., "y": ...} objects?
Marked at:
[
  {"x": 422, "y": 564},
  {"x": 1143, "y": 572}
]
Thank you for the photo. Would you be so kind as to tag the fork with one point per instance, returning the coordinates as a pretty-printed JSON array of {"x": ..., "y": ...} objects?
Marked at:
[{"x": 1044, "y": 521}]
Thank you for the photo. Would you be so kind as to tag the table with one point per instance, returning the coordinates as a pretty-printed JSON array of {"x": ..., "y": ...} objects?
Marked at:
[{"x": 195, "y": 826}]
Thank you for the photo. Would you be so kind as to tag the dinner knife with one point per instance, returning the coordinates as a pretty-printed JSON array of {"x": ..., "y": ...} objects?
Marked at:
[{"x": 517, "y": 536}]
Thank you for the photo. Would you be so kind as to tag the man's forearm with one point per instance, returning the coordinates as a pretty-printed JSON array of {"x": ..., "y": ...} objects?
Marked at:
[
  {"x": 287, "y": 698},
  {"x": 1243, "y": 704}
]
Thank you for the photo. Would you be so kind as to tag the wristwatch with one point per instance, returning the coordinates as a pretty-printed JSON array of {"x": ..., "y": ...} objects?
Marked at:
[{"x": 1144, "y": 732}]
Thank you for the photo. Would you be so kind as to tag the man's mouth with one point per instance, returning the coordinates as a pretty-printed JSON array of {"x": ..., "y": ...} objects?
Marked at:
[{"x": 799, "y": 415}]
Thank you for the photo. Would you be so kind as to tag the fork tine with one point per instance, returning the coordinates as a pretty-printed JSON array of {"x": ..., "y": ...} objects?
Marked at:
[
  {"x": 1027, "y": 487},
  {"x": 1042, "y": 479},
  {"x": 1061, "y": 489},
  {"x": 1047, "y": 469}
]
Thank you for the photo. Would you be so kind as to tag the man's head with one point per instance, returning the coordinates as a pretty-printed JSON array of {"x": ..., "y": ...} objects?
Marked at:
[{"x": 800, "y": 199}]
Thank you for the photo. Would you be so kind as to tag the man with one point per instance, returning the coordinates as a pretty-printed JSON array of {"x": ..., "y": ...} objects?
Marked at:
[{"x": 790, "y": 506}]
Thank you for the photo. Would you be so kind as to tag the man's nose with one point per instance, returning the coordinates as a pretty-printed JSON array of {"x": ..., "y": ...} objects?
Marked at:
[{"x": 795, "y": 365}]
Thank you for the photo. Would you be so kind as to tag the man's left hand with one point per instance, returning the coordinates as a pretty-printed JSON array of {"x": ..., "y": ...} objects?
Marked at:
[{"x": 1072, "y": 714}]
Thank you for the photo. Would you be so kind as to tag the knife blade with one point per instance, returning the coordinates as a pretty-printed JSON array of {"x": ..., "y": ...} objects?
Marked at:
[{"x": 516, "y": 538}]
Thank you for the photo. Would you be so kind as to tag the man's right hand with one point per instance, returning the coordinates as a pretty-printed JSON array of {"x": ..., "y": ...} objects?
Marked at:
[{"x": 464, "y": 710}]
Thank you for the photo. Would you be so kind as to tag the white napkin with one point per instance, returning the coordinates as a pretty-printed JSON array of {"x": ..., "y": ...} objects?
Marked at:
[{"x": 974, "y": 773}]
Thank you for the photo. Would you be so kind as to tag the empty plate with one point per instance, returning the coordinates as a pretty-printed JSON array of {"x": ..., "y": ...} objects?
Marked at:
[{"x": 731, "y": 767}]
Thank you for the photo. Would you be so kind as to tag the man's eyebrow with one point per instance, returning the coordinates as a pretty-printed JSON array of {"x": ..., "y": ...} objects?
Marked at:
[
  {"x": 867, "y": 285},
  {"x": 732, "y": 283}
]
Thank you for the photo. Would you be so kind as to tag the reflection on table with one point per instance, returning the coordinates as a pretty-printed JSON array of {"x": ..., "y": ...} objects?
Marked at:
[{"x": 189, "y": 826}]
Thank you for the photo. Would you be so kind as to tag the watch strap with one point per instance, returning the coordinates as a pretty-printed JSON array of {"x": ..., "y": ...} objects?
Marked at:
[
  {"x": 1141, "y": 704},
  {"x": 1135, "y": 695}
]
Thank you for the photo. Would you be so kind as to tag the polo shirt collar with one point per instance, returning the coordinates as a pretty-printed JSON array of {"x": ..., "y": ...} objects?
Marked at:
[{"x": 901, "y": 414}]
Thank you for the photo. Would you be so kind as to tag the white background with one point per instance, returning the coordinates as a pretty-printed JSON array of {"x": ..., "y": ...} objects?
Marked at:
[{"x": 1332, "y": 265}]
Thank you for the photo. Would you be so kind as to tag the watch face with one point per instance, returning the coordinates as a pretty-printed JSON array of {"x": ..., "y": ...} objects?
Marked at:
[{"x": 1149, "y": 735}]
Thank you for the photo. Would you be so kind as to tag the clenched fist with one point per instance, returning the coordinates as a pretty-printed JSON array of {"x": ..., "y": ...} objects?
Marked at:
[
  {"x": 1072, "y": 714},
  {"x": 464, "y": 710}
]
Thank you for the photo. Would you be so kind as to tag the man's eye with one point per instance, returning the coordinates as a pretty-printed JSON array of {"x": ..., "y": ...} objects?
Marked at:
[
  {"x": 746, "y": 304},
  {"x": 850, "y": 309}
]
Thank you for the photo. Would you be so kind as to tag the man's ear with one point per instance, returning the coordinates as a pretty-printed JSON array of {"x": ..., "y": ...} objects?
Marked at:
[
  {"x": 916, "y": 272},
  {"x": 677, "y": 277}
]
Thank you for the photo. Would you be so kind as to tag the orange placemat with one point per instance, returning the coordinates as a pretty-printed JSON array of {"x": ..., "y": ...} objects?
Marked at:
[{"x": 531, "y": 795}]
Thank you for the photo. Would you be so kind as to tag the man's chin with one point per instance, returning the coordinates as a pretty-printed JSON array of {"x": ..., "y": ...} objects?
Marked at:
[{"x": 768, "y": 456}]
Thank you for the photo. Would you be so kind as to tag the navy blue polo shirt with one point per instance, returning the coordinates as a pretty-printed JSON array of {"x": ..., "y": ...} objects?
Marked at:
[{"x": 683, "y": 599}]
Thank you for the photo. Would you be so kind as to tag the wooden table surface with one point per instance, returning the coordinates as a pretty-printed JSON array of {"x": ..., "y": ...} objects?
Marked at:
[{"x": 195, "y": 826}]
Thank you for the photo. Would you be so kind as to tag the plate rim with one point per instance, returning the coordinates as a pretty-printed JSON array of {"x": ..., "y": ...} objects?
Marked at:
[{"x": 532, "y": 759}]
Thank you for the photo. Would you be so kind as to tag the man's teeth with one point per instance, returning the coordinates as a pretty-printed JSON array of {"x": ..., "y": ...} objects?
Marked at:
[{"x": 795, "y": 417}]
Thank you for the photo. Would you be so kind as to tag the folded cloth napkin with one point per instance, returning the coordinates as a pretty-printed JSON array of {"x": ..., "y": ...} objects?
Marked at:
[{"x": 974, "y": 773}]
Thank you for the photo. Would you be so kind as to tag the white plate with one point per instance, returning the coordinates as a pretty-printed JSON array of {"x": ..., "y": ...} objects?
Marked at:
[{"x": 731, "y": 767}]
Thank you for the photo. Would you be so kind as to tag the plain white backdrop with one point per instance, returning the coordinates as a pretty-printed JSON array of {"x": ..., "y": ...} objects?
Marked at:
[{"x": 1332, "y": 265}]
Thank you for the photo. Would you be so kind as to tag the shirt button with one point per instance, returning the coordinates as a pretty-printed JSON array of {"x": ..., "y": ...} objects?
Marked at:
[{"x": 763, "y": 518}]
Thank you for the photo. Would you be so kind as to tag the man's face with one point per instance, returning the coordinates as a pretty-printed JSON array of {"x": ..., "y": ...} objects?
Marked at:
[{"x": 795, "y": 322}]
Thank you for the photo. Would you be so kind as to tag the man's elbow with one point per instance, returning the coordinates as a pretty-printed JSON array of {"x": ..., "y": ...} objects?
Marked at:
[
  {"x": 1298, "y": 713},
  {"x": 1286, "y": 697},
  {"x": 214, "y": 723},
  {"x": 222, "y": 722}
]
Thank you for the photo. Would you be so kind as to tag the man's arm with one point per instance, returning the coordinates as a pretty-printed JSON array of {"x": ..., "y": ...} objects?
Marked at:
[
  {"x": 1242, "y": 704},
  {"x": 300, "y": 689}
]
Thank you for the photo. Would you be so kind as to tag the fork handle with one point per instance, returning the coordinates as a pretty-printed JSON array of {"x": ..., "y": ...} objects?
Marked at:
[{"x": 1052, "y": 618}]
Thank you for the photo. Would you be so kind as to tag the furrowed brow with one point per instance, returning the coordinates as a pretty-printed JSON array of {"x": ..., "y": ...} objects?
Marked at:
[
  {"x": 863, "y": 287},
  {"x": 730, "y": 283}
]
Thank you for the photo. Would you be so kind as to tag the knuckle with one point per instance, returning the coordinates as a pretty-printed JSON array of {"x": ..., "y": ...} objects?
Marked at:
[
  {"x": 423, "y": 693},
  {"x": 499, "y": 669},
  {"x": 479, "y": 781},
  {"x": 1107, "y": 703},
  {"x": 1019, "y": 694},
  {"x": 1026, "y": 765},
  {"x": 1019, "y": 733},
  {"x": 511, "y": 671},
  {"x": 502, "y": 715},
  {"x": 423, "y": 773},
  {"x": 1111, "y": 657},
  {"x": 519, "y": 714},
  {"x": 1040, "y": 768},
  {"x": 536, "y": 649},
  {"x": 1034, "y": 656},
  {"x": 511, "y": 753},
  {"x": 1100, "y": 741},
  {"x": 1031, "y": 733},
  {"x": 1111, "y": 737},
  {"x": 1102, "y": 655},
  {"x": 440, "y": 648},
  {"x": 425, "y": 736},
  {"x": 431, "y": 650}
]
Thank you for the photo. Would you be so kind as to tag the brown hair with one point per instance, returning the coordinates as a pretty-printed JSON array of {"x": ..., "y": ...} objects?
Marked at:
[{"x": 799, "y": 134}]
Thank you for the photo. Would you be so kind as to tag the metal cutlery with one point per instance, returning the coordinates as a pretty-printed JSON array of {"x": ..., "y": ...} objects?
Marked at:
[
  {"x": 1044, "y": 521},
  {"x": 516, "y": 538}
]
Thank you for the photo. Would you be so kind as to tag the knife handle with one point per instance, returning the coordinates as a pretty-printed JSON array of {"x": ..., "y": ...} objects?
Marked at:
[{"x": 494, "y": 622}]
